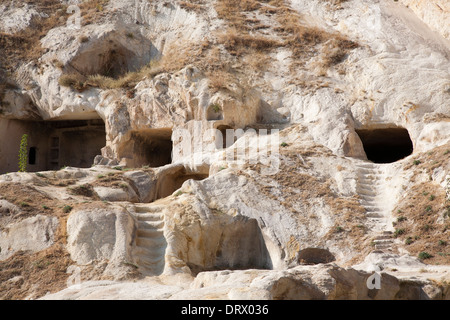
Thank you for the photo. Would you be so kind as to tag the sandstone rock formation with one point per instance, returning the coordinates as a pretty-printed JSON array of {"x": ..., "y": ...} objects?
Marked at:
[{"x": 227, "y": 149}]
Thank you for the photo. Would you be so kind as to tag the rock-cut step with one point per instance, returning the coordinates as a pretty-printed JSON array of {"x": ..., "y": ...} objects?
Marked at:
[
  {"x": 150, "y": 243},
  {"x": 384, "y": 241}
]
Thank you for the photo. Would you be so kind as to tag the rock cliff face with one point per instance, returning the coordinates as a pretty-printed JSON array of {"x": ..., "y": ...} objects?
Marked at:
[{"x": 226, "y": 149}]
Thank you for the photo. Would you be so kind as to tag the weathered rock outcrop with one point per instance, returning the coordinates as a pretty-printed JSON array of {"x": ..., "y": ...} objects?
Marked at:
[{"x": 148, "y": 97}]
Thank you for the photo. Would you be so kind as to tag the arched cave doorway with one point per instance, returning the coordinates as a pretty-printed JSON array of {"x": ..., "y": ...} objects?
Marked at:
[{"x": 386, "y": 145}]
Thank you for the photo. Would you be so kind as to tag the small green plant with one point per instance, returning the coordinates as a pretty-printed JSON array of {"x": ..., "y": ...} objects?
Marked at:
[
  {"x": 408, "y": 240},
  {"x": 400, "y": 219},
  {"x": 178, "y": 193},
  {"x": 45, "y": 207},
  {"x": 23, "y": 154},
  {"x": 432, "y": 197},
  {"x": 339, "y": 229},
  {"x": 424, "y": 255},
  {"x": 399, "y": 232},
  {"x": 131, "y": 264},
  {"x": 41, "y": 263},
  {"x": 442, "y": 243},
  {"x": 130, "y": 35},
  {"x": 123, "y": 186},
  {"x": 215, "y": 107},
  {"x": 67, "y": 208},
  {"x": 428, "y": 208},
  {"x": 417, "y": 162},
  {"x": 24, "y": 204},
  {"x": 284, "y": 144},
  {"x": 100, "y": 176},
  {"x": 446, "y": 152}
]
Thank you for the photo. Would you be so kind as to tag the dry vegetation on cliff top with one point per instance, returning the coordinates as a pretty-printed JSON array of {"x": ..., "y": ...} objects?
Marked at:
[{"x": 243, "y": 45}]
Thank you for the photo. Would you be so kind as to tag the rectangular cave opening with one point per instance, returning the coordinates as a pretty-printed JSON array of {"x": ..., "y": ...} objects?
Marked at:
[
  {"x": 51, "y": 145},
  {"x": 386, "y": 145},
  {"x": 152, "y": 147},
  {"x": 173, "y": 181}
]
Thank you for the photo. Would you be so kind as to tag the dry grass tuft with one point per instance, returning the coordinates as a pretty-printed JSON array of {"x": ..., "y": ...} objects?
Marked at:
[
  {"x": 307, "y": 43},
  {"x": 233, "y": 11},
  {"x": 81, "y": 82},
  {"x": 193, "y": 5},
  {"x": 92, "y": 11},
  {"x": 238, "y": 43}
]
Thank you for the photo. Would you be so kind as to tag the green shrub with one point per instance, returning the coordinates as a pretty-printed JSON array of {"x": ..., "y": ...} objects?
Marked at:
[
  {"x": 215, "y": 107},
  {"x": 67, "y": 209},
  {"x": 424, "y": 255},
  {"x": 399, "y": 232},
  {"x": 417, "y": 162}
]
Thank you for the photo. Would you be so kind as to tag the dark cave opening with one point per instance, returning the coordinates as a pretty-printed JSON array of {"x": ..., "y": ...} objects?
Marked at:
[
  {"x": 386, "y": 145},
  {"x": 152, "y": 147}
]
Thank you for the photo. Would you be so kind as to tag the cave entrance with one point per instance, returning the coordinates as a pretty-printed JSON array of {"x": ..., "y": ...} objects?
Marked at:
[
  {"x": 110, "y": 60},
  {"x": 386, "y": 145},
  {"x": 152, "y": 147},
  {"x": 51, "y": 144},
  {"x": 173, "y": 181}
]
